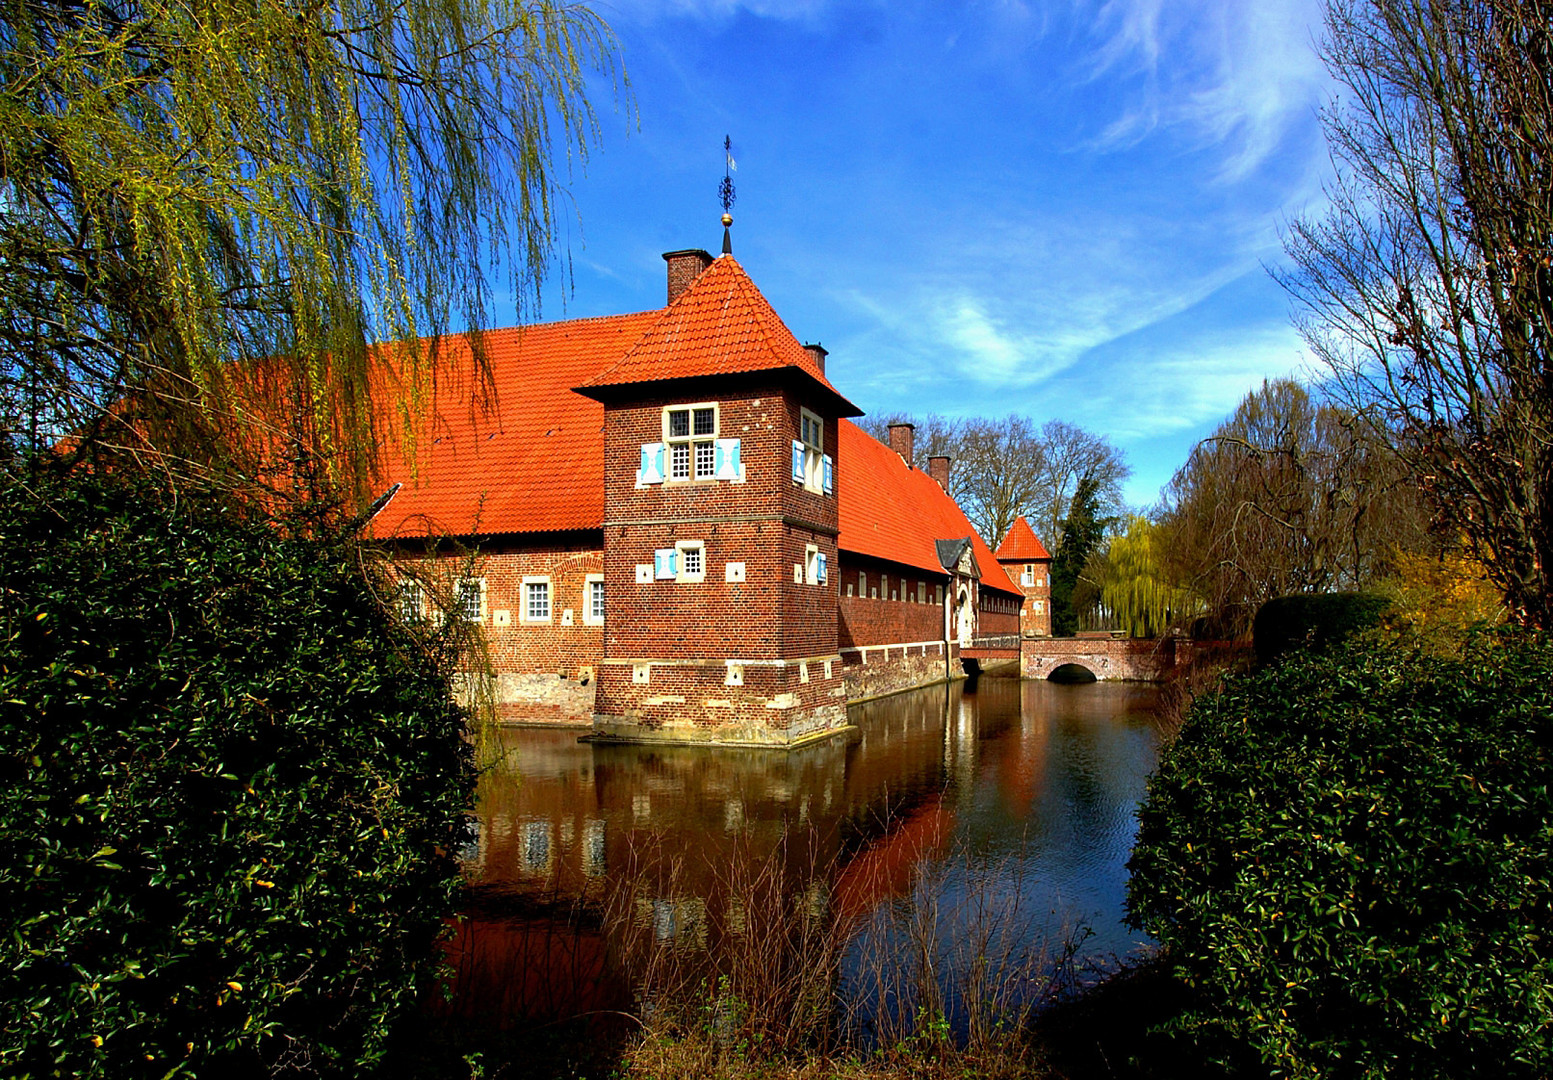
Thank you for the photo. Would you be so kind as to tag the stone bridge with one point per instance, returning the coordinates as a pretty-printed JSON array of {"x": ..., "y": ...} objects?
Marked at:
[{"x": 1104, "y": 656}]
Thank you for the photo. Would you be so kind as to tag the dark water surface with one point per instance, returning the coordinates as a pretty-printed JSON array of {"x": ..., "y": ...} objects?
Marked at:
[{"x": 1030, "y": 787}]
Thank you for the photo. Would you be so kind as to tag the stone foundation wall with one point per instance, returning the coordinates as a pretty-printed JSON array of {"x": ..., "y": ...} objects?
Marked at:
[
  {"x": 721, "y": 702},
  {"x": 876, "y": 670}
]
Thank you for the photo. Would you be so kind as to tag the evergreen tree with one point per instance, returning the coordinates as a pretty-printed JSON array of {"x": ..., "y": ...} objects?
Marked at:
[{"x": 1083, "y": 530}]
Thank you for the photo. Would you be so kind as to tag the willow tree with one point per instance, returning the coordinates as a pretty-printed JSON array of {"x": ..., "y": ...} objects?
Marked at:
[
  {"x": 1288, "y": 495},
  {"x": 213, "y": 216},
  {"x": 1135, "y": 591},
  {"x": 1427, "y": 284}
]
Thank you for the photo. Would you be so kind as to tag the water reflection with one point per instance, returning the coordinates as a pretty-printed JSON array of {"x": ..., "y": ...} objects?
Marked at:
[{"x": 1034, "y": 780}]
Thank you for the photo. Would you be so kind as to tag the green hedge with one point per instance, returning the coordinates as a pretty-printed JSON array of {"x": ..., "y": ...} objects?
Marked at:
[
  {"x": 229, "y": 788},
  {"x": 1347, "y": 859},
  {"x": 1319, "y": 620}
]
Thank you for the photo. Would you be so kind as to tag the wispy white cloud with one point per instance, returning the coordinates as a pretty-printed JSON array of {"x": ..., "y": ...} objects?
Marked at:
[
  {"x": 1193, "y": 382},
  {"x": 1231, "y": 74},
  {"x": 797, "y": 10}
]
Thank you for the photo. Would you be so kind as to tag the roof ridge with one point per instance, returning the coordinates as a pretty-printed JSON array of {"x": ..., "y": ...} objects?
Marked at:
[{"x": 520, "y": 327}]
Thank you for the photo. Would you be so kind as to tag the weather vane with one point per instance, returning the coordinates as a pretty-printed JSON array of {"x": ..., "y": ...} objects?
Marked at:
[{"x": 725, "y": 192}]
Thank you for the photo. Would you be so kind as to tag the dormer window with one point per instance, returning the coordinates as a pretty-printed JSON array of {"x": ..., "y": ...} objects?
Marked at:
[{"x": 691, "y": 435}]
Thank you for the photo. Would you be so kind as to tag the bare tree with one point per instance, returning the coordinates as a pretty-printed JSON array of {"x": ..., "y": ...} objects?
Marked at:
[
  {"x": 1286, "y": 496},
  {"x": 1072, "y": 454},
  {"x": 1006, "y": 468},
  {"x": 1427, "y": 287}
]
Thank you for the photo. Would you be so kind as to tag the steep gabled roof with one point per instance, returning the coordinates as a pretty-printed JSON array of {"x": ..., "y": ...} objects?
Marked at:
[
  {"x": 535, "y": 461},
  {"x": 720, "y": 325},
  {"x": 891, "y": 511},
  {"x": 1021, "y": 543}
]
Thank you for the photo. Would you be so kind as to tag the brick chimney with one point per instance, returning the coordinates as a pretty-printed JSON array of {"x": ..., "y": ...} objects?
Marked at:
[
  {"x": 901, "y": 439},
  {"x": 938, "y": 469},
  {"x": 819, "y": 353},
  {"x": 684, "y": 267}
]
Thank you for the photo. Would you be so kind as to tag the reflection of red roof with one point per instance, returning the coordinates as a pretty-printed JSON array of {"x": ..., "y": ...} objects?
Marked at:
[
  {"x": 1021, "y": 543},
  {"x": 891, "y": 511},
  {"x": 720, "y": 325},
  {"x": 535, "y": 462}
]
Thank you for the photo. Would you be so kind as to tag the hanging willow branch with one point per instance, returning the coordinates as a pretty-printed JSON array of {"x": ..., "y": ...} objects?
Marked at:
[{"x": 213, "y": 215}]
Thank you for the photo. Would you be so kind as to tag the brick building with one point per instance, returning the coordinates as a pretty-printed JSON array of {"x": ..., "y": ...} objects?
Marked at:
[
  {"x": 680, "y": 535},
  {"x": 1025, "y": 560}
]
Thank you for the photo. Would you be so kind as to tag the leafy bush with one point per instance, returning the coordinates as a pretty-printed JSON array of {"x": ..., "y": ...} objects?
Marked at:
[
  {"x": 229, "y": 786},
  {"x": 1318, "y": 620},
  {"x": 1347, "y": 857}
]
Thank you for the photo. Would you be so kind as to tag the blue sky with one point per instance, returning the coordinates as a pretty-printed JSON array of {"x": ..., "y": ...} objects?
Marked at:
[{"x": 1061, "y": 209}]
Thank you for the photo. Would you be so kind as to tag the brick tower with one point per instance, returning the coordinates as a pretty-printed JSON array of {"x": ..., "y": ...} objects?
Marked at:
[
  {"x": 720, "y": 523},
  {"x": 1026, "y": 561}
]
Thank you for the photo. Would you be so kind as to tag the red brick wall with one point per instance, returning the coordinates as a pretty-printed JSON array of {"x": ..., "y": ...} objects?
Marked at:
[
  {"x": 1033, "y": 623},
  {"x": 767, "y": 616},
  {"x": 546, "y": 671},
  {"x": 887, "y": 622},
  {"x": 996, "y": 623}
]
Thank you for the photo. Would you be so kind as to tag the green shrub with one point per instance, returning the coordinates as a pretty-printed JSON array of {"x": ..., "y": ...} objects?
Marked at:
[
  {"x": 229, "y": 787},
  {"x": 1317, "y": 620},
  {"x": 1347, "y": 858}
]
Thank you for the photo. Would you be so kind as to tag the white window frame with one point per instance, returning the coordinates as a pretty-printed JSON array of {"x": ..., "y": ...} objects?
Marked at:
[
  {"x": 523, "y": 600},
  {"x": 813, "y": 452},
  {"x": 461, "y": 588},
  {"x": 682, "y": 574},
  {"x": 589, "y": 618},
  {"x": 411, "y": 601},
  {"x": 811, "y": 564},
  {"x": 693, "y": 442}
]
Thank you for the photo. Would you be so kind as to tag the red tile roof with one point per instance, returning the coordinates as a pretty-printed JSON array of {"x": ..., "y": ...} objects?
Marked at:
[
  {"x": 890, "y": 511},
  {"x": 535, "y": 461},
  {"x": 720, "y": 325},
  {"x": 1021, "y": 543}
]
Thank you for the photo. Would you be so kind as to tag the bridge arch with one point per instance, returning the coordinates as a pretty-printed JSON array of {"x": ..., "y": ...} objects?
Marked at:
[
  {"x": 1103, "y": 657},
  {"x": 1071, "y": 673}
]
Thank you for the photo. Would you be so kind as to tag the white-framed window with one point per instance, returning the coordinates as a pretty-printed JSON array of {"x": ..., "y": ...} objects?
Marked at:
[
  {"x": 593, "y": 600},
  {"x": 1039, "y": 607},
  {"x": 536, "y": 600},
  {"x": 938, "y": 595},
  {"x": 690, "y": 433},
  {"x": 1028, "y": 578},
  {"x": 691, "y": 563},
  {"x": 469, "y": 599},
  {"x": 411, "y": 601},
  {"x": 812, "y": 467},
  {"x": 813, "y": 562},
  {"x": 862, "y": 583}
]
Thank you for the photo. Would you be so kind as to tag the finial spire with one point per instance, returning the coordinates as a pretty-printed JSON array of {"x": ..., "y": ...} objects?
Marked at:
[{"x": 725, "y": 193}]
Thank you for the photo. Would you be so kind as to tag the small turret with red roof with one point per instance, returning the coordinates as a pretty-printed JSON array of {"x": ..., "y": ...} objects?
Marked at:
[{"x": 1025, "y": 559}]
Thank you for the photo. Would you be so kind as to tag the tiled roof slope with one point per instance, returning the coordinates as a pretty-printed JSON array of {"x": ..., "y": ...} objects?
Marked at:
[
  {"x": 535, "y": 462},
  {"x": 1022, "y": 543},
  {"x": 890, "y": 511},
  {"x": 720, "y": 325}
]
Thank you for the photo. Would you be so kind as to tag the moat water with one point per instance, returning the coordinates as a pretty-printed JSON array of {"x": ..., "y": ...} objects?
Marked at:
[{"x": 1016, "y": 796}]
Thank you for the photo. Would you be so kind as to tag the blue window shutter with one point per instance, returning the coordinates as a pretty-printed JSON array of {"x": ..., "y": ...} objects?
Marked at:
[
  {"x": 651, "y": 471},
  {"x": 797, "y": 461},
  {"x": 830, "y": 475},
  {"x": 728, "y": 459},
  {"x": 821, "y": 573}
]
